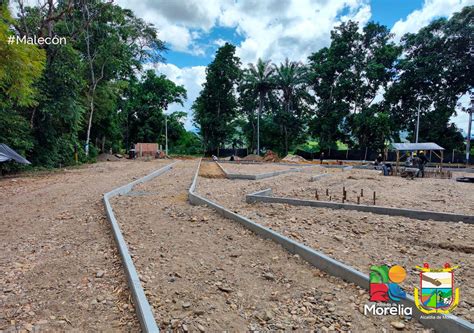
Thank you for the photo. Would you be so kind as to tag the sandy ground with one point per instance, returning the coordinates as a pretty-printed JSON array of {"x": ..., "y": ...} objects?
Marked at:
[
  {"x": 202, "y": 272},
  {"x": 60, "y": 269},
  {"x": 444, "y": 195},
  {"x": 356, "y": 238},
  {"x": 254, "y": 169}
]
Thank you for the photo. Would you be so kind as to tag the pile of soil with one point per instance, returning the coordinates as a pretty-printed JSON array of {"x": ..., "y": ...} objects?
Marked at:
[
  {"x": 211, "y": 170},
  {"x": 252, "y": 157},
  {"x": 108, "y": 157},
  {"x": 271, "y": 156},
  {"x": 294, "y": 158}
]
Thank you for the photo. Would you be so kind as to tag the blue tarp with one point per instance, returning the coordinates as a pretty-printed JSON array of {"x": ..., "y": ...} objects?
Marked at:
[{"x": 7, "y": 154}]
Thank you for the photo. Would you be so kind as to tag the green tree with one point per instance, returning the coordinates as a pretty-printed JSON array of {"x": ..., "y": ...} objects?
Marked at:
[
  {"x": 21, "y": 66},
  {"x": 433, "y": 74},
  {"x": 347, "y": 77},
  {"x": 291, "y": 80},
  {"x": 216, "y": 106},
  {"x": 147, "y": 101},
  {"x": 257, "y": 82}
]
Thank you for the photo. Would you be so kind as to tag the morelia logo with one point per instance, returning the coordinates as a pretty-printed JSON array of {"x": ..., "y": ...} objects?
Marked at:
[{"x": 386, "y": 292}]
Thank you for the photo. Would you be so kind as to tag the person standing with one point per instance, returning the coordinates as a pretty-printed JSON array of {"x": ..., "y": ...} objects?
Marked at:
[
  {"x": 321, "y": 158},
  {"x": 422, "y": 161}
]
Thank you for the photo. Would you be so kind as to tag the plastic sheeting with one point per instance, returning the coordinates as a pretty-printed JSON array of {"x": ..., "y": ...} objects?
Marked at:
[{"x": 7, "y": 154}]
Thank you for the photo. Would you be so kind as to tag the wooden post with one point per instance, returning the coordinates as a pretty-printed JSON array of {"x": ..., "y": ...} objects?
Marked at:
[
  {"x": 374, "y": 197},
  {"x": 327, "y": 192},
  {"x": 398, "y": 161},
  {"x": 316, "y": 195},
  {"x": 358, "y": 200},
  {"x": 330, "y": 197},
  {"x": 362, "y": 192}
]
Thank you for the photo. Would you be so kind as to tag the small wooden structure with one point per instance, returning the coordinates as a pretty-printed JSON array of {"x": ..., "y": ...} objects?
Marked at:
[
  {"x": 414, "y": 147},
  {"x": 146, "y": 149}
]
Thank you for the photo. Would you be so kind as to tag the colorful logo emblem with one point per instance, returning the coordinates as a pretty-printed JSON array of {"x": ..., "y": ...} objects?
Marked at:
[
  {"x": 437, "y": 290},
  {"x": 384, "y": 283}
]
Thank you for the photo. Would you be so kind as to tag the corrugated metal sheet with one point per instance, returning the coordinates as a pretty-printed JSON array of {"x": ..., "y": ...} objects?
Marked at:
[
  {"x": 6, "y": 154},
  {"x": 416, "y": 146}
]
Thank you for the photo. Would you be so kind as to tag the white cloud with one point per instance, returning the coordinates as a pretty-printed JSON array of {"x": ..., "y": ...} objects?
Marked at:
[
  {"x": 191, "y": 78},
  {"x": 278, "y": 29},
  {"x": 462, "y": 118},
  {"x": 431, "y": 9}
]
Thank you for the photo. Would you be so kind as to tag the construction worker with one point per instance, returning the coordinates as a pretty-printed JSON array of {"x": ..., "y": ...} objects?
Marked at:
[{"x": 422, "y": 161}]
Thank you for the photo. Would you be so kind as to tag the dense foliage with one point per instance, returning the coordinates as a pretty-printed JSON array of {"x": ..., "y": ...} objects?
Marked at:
[
  {"x": 362, "y": 90},
  {"x": 94, "y": 95},
  {"x": 88, "y": 94}
]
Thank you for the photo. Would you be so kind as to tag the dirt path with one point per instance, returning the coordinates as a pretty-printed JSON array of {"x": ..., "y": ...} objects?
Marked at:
[
  {"x": 202, "y": 272},
  {"x": 60, "y": 269},
  {"x": 376, "y": 239}
]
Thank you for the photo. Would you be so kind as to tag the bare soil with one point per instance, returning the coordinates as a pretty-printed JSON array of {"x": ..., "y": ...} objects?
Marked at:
[
  {"x": 203, "y": 272},
  {"x": 254, "y": 169},
  {"x": 60, "y": 268},
  {"x": 444, "y": 195},
  {"x": 364, "y": 239}
]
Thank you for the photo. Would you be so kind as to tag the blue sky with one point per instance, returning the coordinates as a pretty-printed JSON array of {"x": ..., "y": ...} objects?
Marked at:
[{"x": 269, "y": 29}]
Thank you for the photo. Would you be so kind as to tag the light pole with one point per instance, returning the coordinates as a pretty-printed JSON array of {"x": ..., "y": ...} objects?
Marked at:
[
  {"x": 166, "y": 134},
  {"x": 469, "y": 126},
  {"x": 417, "y": 123}
]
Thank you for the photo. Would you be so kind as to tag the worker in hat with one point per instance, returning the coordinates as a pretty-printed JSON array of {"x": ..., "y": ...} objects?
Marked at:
[{"x": 422, "y": 161}]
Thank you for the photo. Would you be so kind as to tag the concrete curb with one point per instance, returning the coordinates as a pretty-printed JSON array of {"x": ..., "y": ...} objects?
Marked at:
[
  {"x": 449, "y": 323},
  {"x": 258, "y": 176},
  {"x": 274, "y": 163},
  {"x": 314, "y": 178},
  {"x": 143, "y": 309},
  {"x": 410, "y": 213}
]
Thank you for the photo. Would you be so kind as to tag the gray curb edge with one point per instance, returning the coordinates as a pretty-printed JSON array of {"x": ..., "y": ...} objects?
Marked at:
[
  {"x": 143, "y": 309},
  {"x": 257, "y": 176},
  {"x": 448, "y": 324},
  {"x": 392, "y": 211}
]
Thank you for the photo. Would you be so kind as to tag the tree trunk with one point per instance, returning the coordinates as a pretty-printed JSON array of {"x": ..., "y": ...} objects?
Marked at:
[
  {"x": 260, "y": 105},
  {"x": 286, "y": 140}
]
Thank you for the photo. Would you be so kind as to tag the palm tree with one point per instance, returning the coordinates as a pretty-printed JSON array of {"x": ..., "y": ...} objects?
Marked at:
[
  {"x": 259, "y": 80},
  {"x": 291, "y": 79}
]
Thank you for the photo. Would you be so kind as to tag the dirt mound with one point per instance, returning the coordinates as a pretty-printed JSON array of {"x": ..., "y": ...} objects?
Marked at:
[
  {"x": 211, "y": 170},
  {"x": 271, "y": 156},
  {"x": 108, "y": 157},
  {"x": 252, "y": 157},
  {"x": 294, "y": 158}
]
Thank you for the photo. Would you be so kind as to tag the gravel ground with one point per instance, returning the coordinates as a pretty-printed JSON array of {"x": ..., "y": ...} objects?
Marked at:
[
  {"x": 444, "y": 195},
  {"x": 254, "y": 169},
  {"x": 60, "y": 268},
  {"x": 202, "y": 272},
  {"x": 375, "y": 239}
]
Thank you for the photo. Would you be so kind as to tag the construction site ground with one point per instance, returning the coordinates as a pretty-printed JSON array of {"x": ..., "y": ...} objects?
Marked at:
[
  {"x": 60, "y": 267},
  {"x": 363, "y": 239},
  {"x": 203, "y": 272}
]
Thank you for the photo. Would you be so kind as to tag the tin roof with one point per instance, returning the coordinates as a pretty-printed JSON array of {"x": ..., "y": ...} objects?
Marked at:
[{"x": 416, "y": 146}]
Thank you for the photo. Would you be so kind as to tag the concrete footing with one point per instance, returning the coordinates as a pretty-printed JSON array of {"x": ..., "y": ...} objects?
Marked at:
[
  {"x": 410, "y": 213},
  {"x": 258, "y": 176},
  {"x": 142, "y": 306},
  {"x": 447, "y": 323}
]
